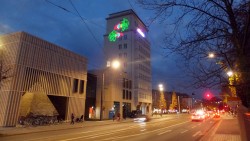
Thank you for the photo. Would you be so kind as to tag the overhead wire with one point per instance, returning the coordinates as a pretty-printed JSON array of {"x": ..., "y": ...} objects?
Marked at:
[
  {"x": 83, "y": 19},
  {"x": 85, "y": 23}
]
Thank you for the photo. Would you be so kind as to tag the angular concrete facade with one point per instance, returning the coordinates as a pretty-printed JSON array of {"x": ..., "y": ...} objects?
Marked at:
[
  {"x": 133, "y": 51},
  {"x": 57, "y": 72}
]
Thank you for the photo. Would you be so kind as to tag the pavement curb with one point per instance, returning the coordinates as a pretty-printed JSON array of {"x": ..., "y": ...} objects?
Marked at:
[
  {"x": 56, "y": 129},
  {"x": 65, "y": 126}
]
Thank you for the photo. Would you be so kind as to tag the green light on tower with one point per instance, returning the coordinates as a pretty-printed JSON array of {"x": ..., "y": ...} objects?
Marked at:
[
  {"x": 118, "y": 30},
  {"x": 124, "y": 24},
  {"x": 112, "y": 36}
]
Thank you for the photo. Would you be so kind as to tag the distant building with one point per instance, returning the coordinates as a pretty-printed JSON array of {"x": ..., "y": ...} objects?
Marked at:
[
  {"x": 126, "y": 39},
  {"x": 40, "y": 67}
]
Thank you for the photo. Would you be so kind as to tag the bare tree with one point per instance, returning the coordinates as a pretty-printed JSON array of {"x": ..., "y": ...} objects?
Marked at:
[{"x": 203, "y": 26}]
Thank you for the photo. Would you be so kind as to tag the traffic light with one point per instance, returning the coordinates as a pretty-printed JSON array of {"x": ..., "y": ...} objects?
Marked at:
[{"x": 208, "y": 95}]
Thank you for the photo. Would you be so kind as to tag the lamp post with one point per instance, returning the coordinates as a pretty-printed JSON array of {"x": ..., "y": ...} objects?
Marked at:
[
  {"x": 161, "y": 90},
  {"x": 115, "y": 64},
  {"x": 160, "y": 87},
  {"x": 179, "y": 105}
]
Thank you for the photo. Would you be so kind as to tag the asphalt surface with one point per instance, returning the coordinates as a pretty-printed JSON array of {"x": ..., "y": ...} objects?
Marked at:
[{"x": 176, "y": 128}]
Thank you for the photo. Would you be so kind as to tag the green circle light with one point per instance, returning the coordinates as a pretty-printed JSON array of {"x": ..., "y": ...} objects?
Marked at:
[
  {"x": 124, "y": 24},
  {"x": 112, "y": 36}
]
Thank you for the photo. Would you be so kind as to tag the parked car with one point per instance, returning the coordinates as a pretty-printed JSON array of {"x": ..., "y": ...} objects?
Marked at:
[{"x": 142, "y": 118}]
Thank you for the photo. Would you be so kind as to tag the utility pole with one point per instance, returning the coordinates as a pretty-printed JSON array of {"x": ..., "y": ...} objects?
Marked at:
[{"x": 179, "y": 104}]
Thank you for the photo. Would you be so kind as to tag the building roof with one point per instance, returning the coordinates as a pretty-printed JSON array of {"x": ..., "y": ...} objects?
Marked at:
[{"x": 123, "y": 13}]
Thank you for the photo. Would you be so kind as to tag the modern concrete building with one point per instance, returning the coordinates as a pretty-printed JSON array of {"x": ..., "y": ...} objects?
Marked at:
[
  {"x": 126, "y": 39},
  {"x": 39, "y": 67}
]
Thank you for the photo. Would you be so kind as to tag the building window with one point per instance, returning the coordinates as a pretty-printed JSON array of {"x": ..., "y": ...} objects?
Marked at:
[
  {"x": 130, "y": 84},
  {"x": 126, "y": 83},
  {"x": 123, "y": 94},
  {"x": 125, "y": 64},
  {"x": 120, "y": 46},
  {"x": 75, "y": 86},
  {"x": 81, "y": 91},
  {"x": 125, "y": 46},
  {"x": 127, "y": 94},
  {"x": 125, "y": 37},
  {"x": 130, "y": 95}
]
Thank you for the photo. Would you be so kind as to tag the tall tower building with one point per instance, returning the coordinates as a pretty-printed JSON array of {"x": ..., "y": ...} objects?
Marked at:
[{"x": 126, "y": 40}]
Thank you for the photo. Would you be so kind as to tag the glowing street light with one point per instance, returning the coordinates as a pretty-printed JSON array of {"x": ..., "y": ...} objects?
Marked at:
[
  {"x": 211, "y": 55},
  {"x": 160, "y": 87},
  {"x": 230, "y": 73},
  {"x": 115, "y": 64}
]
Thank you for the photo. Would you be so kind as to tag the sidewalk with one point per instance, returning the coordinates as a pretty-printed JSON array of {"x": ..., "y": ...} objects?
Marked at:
[
  {"x": 228, "y": 129},
  {"x": 8, "y": 131}
]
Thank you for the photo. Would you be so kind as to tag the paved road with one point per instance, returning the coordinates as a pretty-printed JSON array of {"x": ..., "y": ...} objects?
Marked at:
[{"x": 162, "y": 129}]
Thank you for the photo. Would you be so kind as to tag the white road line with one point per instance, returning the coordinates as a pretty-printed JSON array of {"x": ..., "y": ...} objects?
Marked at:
[
  {"x": 133, "y": 135},
  {"x": 164, "y": 132},
  {"x": 143, "y": 130},
  {"x": 184, "y": 131},
  {"x": 197, "y": 133}
]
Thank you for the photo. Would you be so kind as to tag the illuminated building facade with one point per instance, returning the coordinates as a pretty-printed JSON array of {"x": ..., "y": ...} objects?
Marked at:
[
  {"x": 39, "y": 67},
  {"x": 126, "y": 39}
]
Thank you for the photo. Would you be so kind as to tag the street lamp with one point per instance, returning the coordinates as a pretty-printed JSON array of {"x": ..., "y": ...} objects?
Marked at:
[
  {"x": 115, "y": 64},
  {"x": 230, "y": 73},
  {"x": 161, "y": 90},
  {"x": 160, "y": 87},
  {"x": 211, "y": 55}
]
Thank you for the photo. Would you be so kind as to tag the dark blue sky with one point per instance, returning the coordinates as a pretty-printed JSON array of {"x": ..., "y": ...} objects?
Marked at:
[{"x": 63, "y": 28}]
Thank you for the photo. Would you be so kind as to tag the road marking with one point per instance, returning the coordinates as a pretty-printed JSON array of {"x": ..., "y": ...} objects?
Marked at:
[
  {"x": 193, "y": 126},
  {"x": 133, "y": 135},
  {"x": 184, "y": 131},
  {"x": 164, "y": 132},
  {"x": 197, "y": 133},
  {"x": 143, "y": 130}
]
